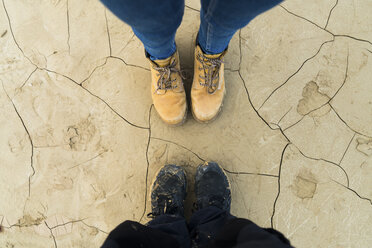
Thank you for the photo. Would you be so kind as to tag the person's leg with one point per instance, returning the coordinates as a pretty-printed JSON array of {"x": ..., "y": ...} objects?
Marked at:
[
  {"x": 173, "y": 225},
  {"x": 238, "y": 232},
  {"x": 213, "y": 225},
  {"x": 213, "y": 199},
  {"x": 219, "y": 20},
  {"x": 154, "y": 22},
  {"x": 133, "y": 234},
  {"x": 206, "y": 223},
  {"x": 167, "y": 203},
  {"x": 168, "y": 227}
]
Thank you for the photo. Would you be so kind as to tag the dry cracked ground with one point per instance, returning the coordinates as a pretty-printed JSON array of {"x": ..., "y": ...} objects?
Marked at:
[{"x": 80, "y": 141}]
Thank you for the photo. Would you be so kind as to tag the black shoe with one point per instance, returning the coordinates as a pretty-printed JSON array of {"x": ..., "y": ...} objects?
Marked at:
[
  {"x": 168, "y": 191},
  {"x": 212, "y": 187}
]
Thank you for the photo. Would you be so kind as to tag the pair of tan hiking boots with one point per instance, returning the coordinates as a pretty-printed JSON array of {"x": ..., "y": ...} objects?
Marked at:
[{"x": 207, "y": 92}]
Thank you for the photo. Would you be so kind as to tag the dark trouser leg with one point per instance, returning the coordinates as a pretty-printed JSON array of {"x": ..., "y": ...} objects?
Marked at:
[
  {"x": 213, "y": 227},
  {"x": 174, "y": 226},
  {"x": 164, "y": 231},
  {"x": 244, "y": 233},
  {"x": 206, "y": 223},
  {"x": 154, "y": 22},
  {"x": 220, "y": 19}
]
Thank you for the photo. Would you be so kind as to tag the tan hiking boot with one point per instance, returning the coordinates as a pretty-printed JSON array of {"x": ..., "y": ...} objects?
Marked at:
[
  {"x": 208, "y": 87},
  {"x": 168, "y": 93}
]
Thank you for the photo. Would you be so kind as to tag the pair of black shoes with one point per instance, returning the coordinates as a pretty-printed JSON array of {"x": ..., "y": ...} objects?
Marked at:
[{"x": 168, "y": 194}]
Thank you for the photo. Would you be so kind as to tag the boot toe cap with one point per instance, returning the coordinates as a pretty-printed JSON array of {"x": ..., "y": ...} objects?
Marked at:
[{"x": 172, "y": 114}]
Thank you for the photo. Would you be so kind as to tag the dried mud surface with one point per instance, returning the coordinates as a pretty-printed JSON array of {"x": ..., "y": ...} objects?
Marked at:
[{"x": 80, "y": 141}]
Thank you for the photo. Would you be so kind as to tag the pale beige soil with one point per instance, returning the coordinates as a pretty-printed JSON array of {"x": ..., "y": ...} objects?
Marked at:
[{"x": 80, "y": 142}]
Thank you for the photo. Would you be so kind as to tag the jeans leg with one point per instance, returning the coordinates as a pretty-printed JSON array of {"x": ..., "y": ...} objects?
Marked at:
[
  {"x": 154, "y": 22},
  {"x": 206, "y": 223},
  {"x": 175, "y": 226},
  {"x": 220, "y": 19}
]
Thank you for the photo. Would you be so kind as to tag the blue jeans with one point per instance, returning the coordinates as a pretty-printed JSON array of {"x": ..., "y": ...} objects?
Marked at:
[{"x": 155, "y": 22}]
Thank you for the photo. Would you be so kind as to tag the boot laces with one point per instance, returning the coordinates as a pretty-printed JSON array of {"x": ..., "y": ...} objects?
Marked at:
[
  {"x": 211, "y": 68},
  {"x": 165, "y": 82},
  {"x": 165, "y": 205}
]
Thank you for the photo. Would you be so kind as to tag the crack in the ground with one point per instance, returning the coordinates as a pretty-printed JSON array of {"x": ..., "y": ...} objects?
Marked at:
[
  {"x": 242, "y": 195},
  {"x": 356, "y": 193},
  {"x": 86, "y": 161},
  {"x": 281, "y": 118},
  {"x": 184, "y": 147},
  {"x": 192, "y": 8},
  {"x": 128, "y": 64},
  {"x": 249, "y": 173},
  {"x": 313, "y": 110},
  {"x": 149, "y": 128},
  {"x": 329, "y": 100},
  {"x": 113, "y": 110},
  {"x": 289, "y": 141},
  {"x": 24, "y": 83},
  {"x": 66, "y": 223},
  {"x": 327, "y": 161},
  {"x": 98, "y": 229},
  {"x": 57, "y": 73},
  {"x": 343, "y": 155},
  {"x": 303, "y": 18},
  {"x": 249, "y": 99},
  {"x": 49, "y": 227},
  {"x": 20, "y": 225},
  {"x": 352, "y": 129},
  {"x": 247, "y": 92},
  {"x": 69, "y": 78},
  {"x": 30, "y": 139},
  {"x": 1, "y": 224},
  {"x": 99, "y": 98},
  {"x": 4, "y": 33},
  {"x": 334, "y": 163},
  {"x": 108, "y": 34},
  {"x": 105, "y": 62},
  {"x": 68, "y": 27},
  {"x": 128, "y": 42},
  {"x": 203, "y": 160},
  {"x": 330, "y": 13},
  {"x": 353, "y": 38},
  {"x": 295, "y": 123},
  {"x": 148, "y": 163},
  {"x": 277, "y": 196},
  {"x": 345, "y": 77},
  {"x": 326, "y": 30},
  {"x": 92, "y": 72},
  {"x": 14, "y": 39},
  {"x": 281, "y": 131},
  {"x": 292, "y": 75},
  {"x": 51, "y": 233}
]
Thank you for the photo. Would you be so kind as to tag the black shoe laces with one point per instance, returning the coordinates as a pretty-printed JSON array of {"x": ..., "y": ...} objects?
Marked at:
[{"x": 165, "y": 205}]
